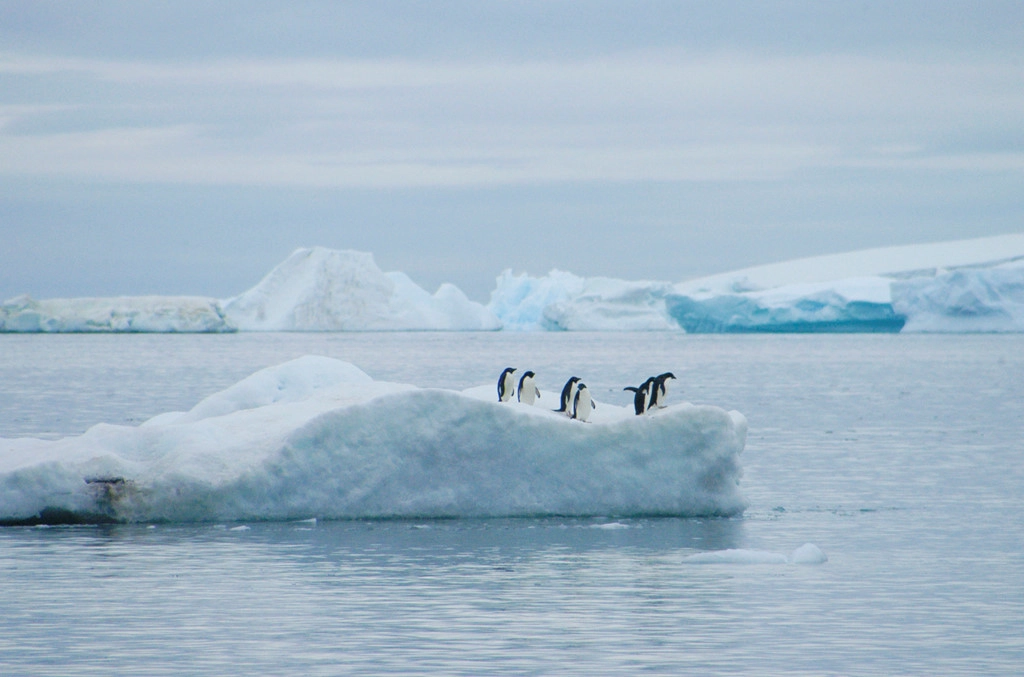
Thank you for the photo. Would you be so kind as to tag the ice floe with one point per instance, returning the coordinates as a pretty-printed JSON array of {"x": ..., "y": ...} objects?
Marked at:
[{"x": 319, "y": 438}]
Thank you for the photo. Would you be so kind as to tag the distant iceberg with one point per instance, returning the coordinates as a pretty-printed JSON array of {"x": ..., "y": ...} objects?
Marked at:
[
  {"x": 966, "y": 300},
  {"x": 319, "y": 289},
  {"x": 562, "y": 301},
  {"x": 314, "y": 289},
  {"x": 962, "y": 286},
  {"x": 117, "y": 314},
  {"x": 318, "y": 438},
  {"x": 856, "y": 305}
]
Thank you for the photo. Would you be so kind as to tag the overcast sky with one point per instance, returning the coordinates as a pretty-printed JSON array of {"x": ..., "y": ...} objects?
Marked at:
[{"x": 188, "y": 147}]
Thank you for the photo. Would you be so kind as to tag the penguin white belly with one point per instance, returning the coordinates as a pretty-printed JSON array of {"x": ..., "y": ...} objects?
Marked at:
[
  {"x": 528, "y": 391},
  {"x": 582, "y": 404}
]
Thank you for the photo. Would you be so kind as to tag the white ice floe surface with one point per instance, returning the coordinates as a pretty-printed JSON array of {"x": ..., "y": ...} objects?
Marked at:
[{"x": 317, "y": 437}]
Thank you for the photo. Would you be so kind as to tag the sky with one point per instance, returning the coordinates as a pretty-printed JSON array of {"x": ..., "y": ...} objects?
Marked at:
[{"x": 186, "y": 147}]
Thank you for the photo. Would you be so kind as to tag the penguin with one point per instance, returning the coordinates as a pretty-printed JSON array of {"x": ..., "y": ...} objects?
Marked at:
[
  {"x": 568, "y": 393},
  {"x": 640, "y": 397},
  {"x": 582, "y": 404},
  {"x": 528, "y": 390},
  {"x": 660, "y": 388},
  {"x": 507, "y": 384}
]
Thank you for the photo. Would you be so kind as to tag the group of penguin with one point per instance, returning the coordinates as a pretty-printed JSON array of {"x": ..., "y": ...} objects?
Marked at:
[
  {"x": 576, "y": 402},
  {"x": 651, "y": 393}
]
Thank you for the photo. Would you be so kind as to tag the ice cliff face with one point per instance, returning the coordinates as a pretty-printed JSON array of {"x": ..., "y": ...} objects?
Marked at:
[
  {"x": 858, "y": 306},
  {"x": 319, "y": 289}
]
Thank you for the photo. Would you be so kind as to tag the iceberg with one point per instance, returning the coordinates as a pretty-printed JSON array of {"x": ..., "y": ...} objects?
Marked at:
[
  {"x": 851, "y": 305},
  {"x": 562, "y": 301},
  {"x": 961, "y": 286},
  {"x": 320, "y": 289},
  {"x": 118, "y": 314},
  {"x": 319, "y": 438},
  {"x": 984, "y": 299},
  {"x": 314, "y": 289}
]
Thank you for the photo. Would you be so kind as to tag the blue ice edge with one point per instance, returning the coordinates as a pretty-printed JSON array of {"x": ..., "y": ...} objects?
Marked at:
[
  {"x": 825, "y": 313},
  {"x": 358, "y": 449}
]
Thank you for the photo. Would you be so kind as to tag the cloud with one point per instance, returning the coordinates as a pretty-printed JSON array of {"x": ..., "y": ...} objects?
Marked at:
[{"x": 659, "y": 114}]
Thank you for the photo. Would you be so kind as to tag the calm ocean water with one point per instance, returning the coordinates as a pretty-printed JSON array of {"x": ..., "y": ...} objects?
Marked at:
[{"x": 901, "y": 457}]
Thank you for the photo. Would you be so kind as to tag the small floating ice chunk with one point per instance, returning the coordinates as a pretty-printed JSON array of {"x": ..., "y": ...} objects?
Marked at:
[
  {"x": 805, "y": 554},
  {"x": 736, "y": 556},
  {"x": 808, "y": 553}
]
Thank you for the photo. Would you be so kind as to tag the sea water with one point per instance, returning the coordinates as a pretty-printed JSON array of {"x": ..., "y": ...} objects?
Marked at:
[{"x": 900, "y": 457}]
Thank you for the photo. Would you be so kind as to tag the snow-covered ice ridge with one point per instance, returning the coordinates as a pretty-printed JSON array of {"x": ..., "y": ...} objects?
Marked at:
[
  {"x": 319, "y": 289},
  {"x": 319, "y": 438},
  {"x": 962, "y": 286}
]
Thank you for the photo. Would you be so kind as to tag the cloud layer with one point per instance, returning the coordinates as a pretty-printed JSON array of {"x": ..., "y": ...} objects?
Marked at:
[
  {"x": 186, "y": 147},
  {"x": 649, "y": 115}
]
